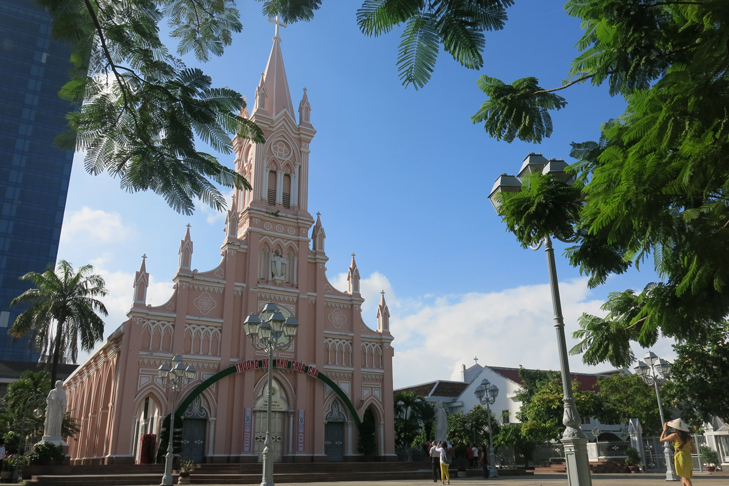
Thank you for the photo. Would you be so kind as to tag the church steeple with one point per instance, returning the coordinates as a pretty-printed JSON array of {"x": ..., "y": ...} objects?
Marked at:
[
  {"x": 186, "y": 251},
  {"x": 318, "y": 235},
  {"x": 141, "y": 284},
  {"x": 274, "y": 84},
  {"x": 383, "y": 315},
  {"x": 353, "y": 277}
]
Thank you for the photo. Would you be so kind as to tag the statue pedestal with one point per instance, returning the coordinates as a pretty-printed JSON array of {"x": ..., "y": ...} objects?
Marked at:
[{"x": 54, "y": 439}]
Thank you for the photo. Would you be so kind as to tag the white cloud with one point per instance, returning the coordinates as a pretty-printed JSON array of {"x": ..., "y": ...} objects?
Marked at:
[
  {"x": 508, "y": 328},
  {"x": 118, "y": 300},
  {"x": 95, "y": 225}
]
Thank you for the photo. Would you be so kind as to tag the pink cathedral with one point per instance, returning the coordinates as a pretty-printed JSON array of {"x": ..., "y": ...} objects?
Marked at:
[{"x": 337, "y": 370}]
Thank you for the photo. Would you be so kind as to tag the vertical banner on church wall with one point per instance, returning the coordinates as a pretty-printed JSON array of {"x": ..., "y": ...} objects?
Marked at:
[
  {"x": 301, "y": 431},
  {"x": 247, "y": 431}
]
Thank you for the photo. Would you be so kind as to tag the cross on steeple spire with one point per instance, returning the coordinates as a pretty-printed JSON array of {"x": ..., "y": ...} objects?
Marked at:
[
  {"x": 475, "y": 358},
  {"x": 278, "y": 24}
]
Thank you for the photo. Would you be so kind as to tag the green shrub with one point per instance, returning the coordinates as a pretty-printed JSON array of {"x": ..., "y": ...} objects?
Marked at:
[
  {"x": 45, "y": 454},
  {"x": 12, "y": 442},
  {"x": 633, "y": 458},
  {"x": 709, "y": 455}
]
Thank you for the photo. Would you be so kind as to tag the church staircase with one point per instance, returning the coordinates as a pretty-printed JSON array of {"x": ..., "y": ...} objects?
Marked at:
[{"x": 248, "y": 473}]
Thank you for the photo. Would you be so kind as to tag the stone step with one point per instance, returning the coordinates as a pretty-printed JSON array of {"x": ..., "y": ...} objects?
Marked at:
[{"x": 200, "y": 477}]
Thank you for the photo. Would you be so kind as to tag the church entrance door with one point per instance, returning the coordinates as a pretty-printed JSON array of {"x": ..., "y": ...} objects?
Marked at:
[
  {"x": 277, "y": 428},
  {"x": 334, "y": 441},
  {"x": 193, "y": 440}
]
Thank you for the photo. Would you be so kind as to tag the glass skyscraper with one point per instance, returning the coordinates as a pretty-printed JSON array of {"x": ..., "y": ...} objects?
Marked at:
[{"x": 34, "y": 173}]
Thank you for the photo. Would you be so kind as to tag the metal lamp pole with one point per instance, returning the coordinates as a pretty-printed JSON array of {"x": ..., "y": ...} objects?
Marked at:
[
  {"x": 269, "y": 332},
  {"x": 655, "y": 372},
  {"x": 175, "y": 376},
  {"x": 486, "y": 394},
  {"x": 573, "y": 439}
]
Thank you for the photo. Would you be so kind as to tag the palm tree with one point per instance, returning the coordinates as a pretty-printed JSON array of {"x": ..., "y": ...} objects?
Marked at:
[{"x": 67, "y": 298}]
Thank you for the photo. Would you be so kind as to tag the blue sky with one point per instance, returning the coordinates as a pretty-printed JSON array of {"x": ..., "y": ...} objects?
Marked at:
[{"x": 401, "y": 177}]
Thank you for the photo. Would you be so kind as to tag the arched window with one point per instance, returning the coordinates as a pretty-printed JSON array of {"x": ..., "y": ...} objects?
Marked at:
[
  {"x": 286, "y": 191},
  {"x": 271, "y": 188}
]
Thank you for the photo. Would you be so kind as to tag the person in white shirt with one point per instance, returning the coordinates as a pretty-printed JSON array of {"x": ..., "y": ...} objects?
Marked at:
[
  {"x": 435, "y": 461},
  {"x": 444, "y": 462}
]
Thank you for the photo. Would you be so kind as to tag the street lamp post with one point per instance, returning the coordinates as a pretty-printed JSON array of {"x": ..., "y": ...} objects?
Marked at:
[
  {"x": 269, "y": 332},
  {"x": 573, "y": 439},
  {"x": 486, "y": 394},
  {"x": 654, "y": 372},
  {"x": 175, "y": 376}
]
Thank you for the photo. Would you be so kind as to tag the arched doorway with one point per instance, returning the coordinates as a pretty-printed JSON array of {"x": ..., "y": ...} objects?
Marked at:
[
  {"x": 334, "y": 432},
  {"x": 279, "y": 410},
  {"x": 194, "y": 426}
]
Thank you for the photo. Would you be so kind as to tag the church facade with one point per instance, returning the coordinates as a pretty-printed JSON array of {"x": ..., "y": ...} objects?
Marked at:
[{"x": 336, "y": 374}]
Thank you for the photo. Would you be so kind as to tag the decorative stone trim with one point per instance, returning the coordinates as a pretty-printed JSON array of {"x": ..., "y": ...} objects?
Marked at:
[{"x": 205, "y": 303}]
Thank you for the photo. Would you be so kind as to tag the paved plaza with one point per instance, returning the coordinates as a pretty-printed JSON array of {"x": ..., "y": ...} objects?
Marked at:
[{"x": 716, "y": 479}]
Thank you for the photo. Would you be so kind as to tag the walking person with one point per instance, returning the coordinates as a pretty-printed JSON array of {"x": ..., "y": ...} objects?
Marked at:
[
  {"x": 435, "y": 461},
  {"x": 469, "y": 455},
  {"x": 445, "y": 462},
  {"x": 684, "y": 447},
  {"x": 484, "y": 462}
]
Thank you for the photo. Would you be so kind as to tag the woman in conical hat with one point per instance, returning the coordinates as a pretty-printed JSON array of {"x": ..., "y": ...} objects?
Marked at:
[{"x": 684, "y": 447}]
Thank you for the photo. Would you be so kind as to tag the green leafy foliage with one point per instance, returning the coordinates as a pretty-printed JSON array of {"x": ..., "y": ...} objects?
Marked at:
[
  {"x": 654, "y": 186},
  {"x": 45, "y": 454},
  {"x": 367, "y": 434},
  {"x": 699, "y": 385},
  {"x": 457, "y": 25},
  {"x": 24, "y": 408},
  {"x": 413, "y": 417},
  {"x": 627, "y": 396},
  {"x": 511, "y": 435},
  {"x": 142, "y": 108},
  {"x": 517, "y": 110},
  {"x": 472, "y": 427},
  {"x": 709, "y": 455},
  {"x": 545, "y": 206},
  {"x": 67, "y": 299},
  {"x": 542, "y": 408}
]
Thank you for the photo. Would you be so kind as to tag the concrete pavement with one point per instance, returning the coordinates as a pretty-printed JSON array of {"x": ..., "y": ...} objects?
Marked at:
[{"x": 716, "y": 479}]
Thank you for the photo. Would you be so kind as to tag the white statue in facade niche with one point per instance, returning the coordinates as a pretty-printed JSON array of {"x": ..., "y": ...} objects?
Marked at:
[
  {"x": 55, "y": 407},
  {"x": 441, "y": 422},
  {"x": 278, "y": 267}
]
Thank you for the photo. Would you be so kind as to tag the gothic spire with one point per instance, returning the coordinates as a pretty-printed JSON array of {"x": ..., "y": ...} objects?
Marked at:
[
  {"x": 383, "y": 315},
  {"x": 276, "y": 85},
  {"x": 353, "y": 277},
  {"x": 318, "y": 235},
  {"x": 141, "y": 283},
  {"x": 186, "y": 251}
]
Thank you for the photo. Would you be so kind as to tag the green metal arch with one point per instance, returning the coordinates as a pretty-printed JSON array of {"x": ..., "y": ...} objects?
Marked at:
[{"x": 232, "y": 370}]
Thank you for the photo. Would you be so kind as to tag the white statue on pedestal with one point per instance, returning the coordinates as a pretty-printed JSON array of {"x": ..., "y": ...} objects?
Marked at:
[
  {"x": 278, "y": 267},
  {"x": 441, "y": 422},
  {"x": 55, "y": 407}
]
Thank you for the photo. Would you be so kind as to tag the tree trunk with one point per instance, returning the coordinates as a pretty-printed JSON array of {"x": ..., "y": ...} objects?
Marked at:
[{"x": 56, "y": 351}]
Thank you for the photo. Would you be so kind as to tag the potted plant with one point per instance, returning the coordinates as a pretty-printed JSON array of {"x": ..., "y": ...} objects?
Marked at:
[
  {"x": 633, "y": 459},
  {"x": 710, "y": 458},
  {"x": 186, "y": 468},
  {"x": 8, "y": 466}
]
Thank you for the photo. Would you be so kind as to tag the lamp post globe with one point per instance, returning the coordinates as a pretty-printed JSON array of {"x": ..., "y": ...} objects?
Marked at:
[
  {"x": 269, "y": 332},
  {"x": 573, "y": 438},
  {"x": 654, "y": 372}
]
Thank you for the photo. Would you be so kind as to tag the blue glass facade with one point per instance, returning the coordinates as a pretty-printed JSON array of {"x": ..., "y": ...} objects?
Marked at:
[{"x": 34, "y": 174}]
